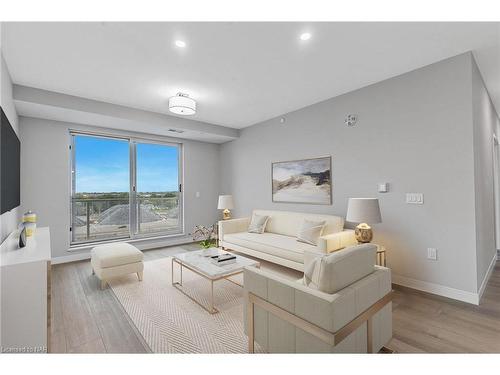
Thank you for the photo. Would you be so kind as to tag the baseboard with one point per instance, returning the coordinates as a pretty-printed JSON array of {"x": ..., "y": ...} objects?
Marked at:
[
  {"x": 487, "y": 276},
  {"x": 143, "y": 247},
  {"x": 146, "y": 243},
  {"x": 71, "y": 258},
  {"x": 440, "y": 290}
]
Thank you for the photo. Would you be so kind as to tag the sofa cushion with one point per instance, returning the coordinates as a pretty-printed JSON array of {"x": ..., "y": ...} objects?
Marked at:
[
  {"x": 275, "y": 244},
  {"x": 333, "y": 272},
  {"x": 288, "y": 223},
  {"x": 258, "y": 224},
  {"x": 115, "y": 254},
  {"x": 310, "y": 231}
]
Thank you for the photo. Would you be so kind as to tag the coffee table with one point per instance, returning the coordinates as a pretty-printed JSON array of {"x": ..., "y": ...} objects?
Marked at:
[{"x": 199, "y": 263}]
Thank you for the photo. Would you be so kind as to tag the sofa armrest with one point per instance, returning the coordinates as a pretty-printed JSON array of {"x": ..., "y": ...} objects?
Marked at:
[
  {"x": 310, "y": 256},
  {"x": 233, "y": 226},
  {"x": 255, "y": 278},
  {"x": 336, "y": 241}
]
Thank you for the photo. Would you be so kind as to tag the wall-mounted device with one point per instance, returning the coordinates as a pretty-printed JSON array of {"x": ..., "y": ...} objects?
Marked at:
[
  {"x": 10, "y": 166},
  {"x": 351, "y": 120},
  {"x": 383, "y": 187},
  {"x": 414, "y": 198}
]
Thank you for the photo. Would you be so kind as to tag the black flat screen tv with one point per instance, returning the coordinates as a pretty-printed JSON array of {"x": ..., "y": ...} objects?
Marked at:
[{"x": 10, "y": 164}]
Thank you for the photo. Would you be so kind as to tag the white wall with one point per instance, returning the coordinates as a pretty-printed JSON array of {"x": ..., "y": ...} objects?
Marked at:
[
  {"x": 45, "y": 178},
  {"x": 9, "y": 220},
  {"x": 485, "y": 123},
  {"x": 414, "y": 131}
]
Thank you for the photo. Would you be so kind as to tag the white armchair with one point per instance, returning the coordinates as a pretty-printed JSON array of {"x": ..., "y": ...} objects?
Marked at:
[{"x": 284, "y": 316}]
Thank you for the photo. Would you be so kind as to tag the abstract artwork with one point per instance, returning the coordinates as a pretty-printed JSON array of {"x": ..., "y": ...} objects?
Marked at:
[{"x": 303, "y": 181}]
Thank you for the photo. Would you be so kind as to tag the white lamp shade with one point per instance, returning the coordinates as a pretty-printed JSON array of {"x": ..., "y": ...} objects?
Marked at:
[
  {"x": 225, "y": 201},
  {"x": 363, "y": 210},
  {"x": 182, "y": 105}
]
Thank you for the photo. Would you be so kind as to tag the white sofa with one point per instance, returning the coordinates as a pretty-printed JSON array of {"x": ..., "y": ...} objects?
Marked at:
[
  {"x": 278, "y": 244},
  {"x": 355, "y": 316}
]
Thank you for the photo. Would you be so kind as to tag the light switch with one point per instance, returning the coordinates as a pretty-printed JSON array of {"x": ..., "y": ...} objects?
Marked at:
[
  {"x": 415, "y": 198},
  {"x": 197, "y": 194}
]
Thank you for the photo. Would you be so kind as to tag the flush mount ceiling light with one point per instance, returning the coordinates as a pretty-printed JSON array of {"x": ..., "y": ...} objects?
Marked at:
[
  {"x": 182, "y": 104},
  {"x": 180, "y": 43},
  {"x": 305, "y": 36}
]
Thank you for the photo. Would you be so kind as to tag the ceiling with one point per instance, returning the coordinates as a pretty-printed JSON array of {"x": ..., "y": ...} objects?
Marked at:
[{"x": 239, "y": 73}]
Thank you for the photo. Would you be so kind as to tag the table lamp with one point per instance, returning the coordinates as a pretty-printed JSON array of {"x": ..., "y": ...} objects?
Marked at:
[
  {"x": 225, "y": 203},
  {"x": 363, "y": 211}
]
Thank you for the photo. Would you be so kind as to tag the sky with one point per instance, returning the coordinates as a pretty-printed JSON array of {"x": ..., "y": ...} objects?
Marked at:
[{"x": 102, "y": 165}]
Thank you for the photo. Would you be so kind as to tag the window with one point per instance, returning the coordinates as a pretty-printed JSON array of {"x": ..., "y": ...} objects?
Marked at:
[{"x": 124, "y": 188}]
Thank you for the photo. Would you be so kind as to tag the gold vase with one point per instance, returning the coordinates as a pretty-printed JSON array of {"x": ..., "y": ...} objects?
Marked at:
[
  {"x": 226, "y": 214},
  {"x": 363, "y": 233}
]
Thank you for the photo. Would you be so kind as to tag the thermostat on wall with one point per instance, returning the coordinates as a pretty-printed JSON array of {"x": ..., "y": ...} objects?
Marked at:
[{"x": 383, "y": 187}]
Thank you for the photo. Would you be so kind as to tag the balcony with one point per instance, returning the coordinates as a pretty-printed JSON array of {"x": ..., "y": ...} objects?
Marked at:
[{"x": 98, "y": 219}]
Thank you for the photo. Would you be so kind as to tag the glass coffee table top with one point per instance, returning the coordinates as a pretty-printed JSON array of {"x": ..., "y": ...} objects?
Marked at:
[{"x": 200, "y": 261}]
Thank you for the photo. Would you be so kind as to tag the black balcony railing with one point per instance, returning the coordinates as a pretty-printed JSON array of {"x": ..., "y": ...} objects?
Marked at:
[{"x": 108, "y": 218}]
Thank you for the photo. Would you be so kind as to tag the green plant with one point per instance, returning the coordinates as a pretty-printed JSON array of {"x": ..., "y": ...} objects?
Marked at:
[
  {"x": 205, "y": 235},
  {"x": 207, "y": 243}
]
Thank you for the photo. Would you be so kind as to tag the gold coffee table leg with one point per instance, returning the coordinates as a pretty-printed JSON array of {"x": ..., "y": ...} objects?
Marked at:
[
  {"x": 178, "y": 285},
  {"x": 212, "y": 297}
]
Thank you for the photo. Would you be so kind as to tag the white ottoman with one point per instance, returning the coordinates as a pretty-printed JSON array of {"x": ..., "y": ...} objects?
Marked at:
[{"x": 116, "y": 259}]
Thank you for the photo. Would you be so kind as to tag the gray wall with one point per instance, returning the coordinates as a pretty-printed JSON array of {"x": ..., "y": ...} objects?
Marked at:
[
  {"x": 485, "y": 122},
  {"x": 45, "y": 181},
  {"x": 414, "y": 131},
  {"x": 9, "y": 220}
]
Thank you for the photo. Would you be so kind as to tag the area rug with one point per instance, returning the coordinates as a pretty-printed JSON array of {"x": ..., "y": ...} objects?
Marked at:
[{"x": 171, "y": 323}]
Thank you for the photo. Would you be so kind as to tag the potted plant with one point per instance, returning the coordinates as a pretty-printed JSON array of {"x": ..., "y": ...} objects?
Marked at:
[{"x": 206, "y": 236}]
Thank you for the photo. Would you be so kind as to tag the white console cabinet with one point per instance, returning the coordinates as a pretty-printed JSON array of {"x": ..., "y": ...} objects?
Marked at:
[{"x": 25, "y": 293}]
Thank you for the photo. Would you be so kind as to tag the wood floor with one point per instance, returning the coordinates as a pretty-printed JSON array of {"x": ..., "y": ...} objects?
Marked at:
[
  {"x": 86, "y": 319},
  {"x": 426, "y": 323}
]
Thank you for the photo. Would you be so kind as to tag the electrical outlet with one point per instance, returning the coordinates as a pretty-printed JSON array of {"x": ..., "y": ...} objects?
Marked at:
[{"x": 431, "y": 253}]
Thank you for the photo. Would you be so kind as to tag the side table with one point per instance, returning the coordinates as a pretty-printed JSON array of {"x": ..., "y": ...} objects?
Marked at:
[{"x": 381, "y": 259}]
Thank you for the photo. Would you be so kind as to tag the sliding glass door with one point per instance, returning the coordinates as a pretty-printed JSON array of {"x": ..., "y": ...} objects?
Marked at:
[
  {"x": 124, "y": 188},
  {"x": 101, "y": 188},
  {"x": 157, "y": 188}
]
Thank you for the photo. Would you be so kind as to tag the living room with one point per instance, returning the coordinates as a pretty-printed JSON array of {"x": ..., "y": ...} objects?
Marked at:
[{"x": 250, "y": 187}]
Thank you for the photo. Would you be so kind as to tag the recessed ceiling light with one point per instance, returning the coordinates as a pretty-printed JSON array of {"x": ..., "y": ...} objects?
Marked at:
[
  {"x": 305, "y": 36},
  {"x": 180, "y": 43}
]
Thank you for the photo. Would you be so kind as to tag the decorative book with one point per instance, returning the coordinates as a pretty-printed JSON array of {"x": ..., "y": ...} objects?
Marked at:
[{"x": 223, "y": 259}]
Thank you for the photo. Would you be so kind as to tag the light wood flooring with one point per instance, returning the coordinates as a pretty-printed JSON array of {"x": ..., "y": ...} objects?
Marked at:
[{"x": 86, "y": 319}]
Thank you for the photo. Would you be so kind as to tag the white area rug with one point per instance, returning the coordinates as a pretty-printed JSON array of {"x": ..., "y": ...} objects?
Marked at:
[{"x": 171, "y": 323}]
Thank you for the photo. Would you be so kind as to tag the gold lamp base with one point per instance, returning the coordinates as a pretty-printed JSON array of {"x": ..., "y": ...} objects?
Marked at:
[
  {"x": 226, "y": 214},
  {"x": 363, "y": 233}
]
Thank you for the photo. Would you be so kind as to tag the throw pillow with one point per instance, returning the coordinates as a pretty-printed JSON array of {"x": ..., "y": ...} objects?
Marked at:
[
  {"x": 258, "y": 224},
  {"x": 310, "y": 231}
]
